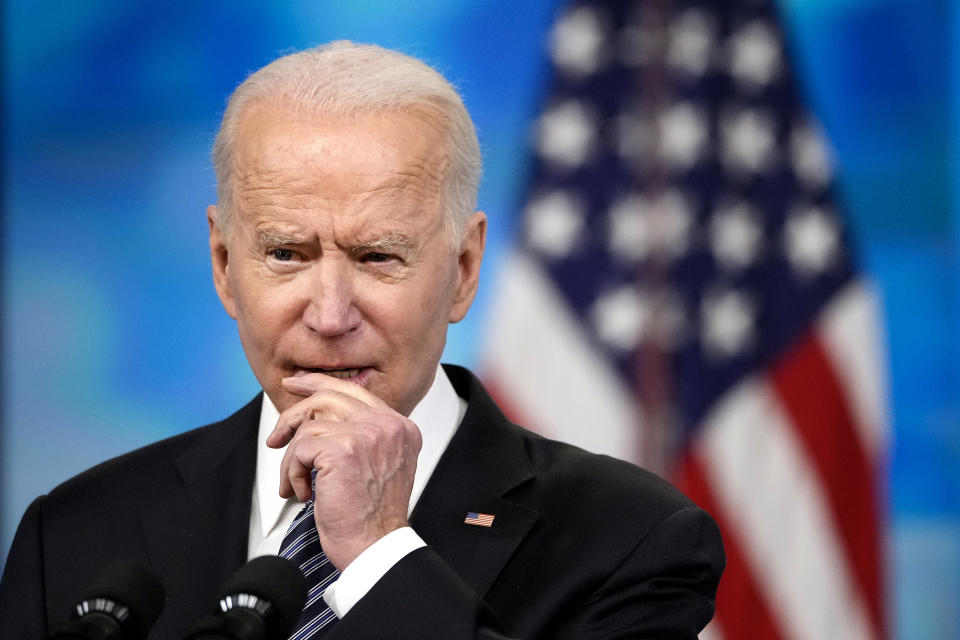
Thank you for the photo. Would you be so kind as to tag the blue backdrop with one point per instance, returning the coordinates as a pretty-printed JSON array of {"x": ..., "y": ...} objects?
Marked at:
[{"x": 113, "y": 336}]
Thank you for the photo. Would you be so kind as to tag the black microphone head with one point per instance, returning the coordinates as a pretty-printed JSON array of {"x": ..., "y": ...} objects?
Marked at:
[
  {"x": 277, "y": 581},
  {"x": 128, "y": 592}
]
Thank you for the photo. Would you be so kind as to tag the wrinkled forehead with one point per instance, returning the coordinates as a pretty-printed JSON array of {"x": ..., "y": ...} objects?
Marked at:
[
  {"x": 394, "y": 149},
  {"x": 414, "y": 128}
]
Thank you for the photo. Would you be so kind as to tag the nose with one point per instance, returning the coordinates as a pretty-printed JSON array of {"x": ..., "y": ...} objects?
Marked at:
[{"x": 332, "y": 309}]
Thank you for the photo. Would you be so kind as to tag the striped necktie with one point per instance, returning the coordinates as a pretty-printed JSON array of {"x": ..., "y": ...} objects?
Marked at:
[{"x": 301, "y": 544}]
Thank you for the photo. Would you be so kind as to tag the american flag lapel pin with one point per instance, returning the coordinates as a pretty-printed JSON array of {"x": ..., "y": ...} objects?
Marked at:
[{"x": 479, "y": 519}]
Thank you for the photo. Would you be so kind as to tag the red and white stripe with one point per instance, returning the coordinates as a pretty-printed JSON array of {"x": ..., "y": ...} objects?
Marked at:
[
  {"x": 787, "y": 462},
  {"x": 541, "y": 367}
]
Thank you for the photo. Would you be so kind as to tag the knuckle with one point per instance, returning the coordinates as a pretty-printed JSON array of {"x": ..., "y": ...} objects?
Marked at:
[
  {"x": 344, "y": 445},
  {"x": 396, "y": 425}
]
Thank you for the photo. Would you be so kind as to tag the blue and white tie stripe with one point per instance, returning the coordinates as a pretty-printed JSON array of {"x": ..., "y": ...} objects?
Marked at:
[{"x": 301, "y": 544}]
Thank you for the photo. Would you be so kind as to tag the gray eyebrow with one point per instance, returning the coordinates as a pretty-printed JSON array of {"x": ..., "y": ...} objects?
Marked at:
[
  {"x": 388, "y": 242},
  {"x": 272, "y": 237}
]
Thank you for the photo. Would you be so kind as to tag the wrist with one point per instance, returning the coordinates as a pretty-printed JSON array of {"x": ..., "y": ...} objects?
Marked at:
[{"x": 342, "y": 550}]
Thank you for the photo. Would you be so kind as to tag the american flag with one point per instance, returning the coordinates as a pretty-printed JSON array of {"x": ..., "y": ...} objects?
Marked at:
[
  {"x": 479, "y": 519},
  {"x": 684, "y": 296}
]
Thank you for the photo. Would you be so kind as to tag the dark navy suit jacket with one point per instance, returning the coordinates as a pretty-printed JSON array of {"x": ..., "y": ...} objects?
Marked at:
[{"x": 582, "y": 546}]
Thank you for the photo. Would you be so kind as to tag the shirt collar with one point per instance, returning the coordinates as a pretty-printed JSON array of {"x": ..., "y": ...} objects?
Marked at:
[{"x": 437, "y": 414}]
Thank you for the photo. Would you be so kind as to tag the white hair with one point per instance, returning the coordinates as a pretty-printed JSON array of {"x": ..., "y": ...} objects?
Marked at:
[{"x": 345, "y": 79}]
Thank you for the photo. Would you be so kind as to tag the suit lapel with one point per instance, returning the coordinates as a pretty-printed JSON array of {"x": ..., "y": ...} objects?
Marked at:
[
  {"x": 197, "y": 534},
  {"x": 483, "y": 462}
]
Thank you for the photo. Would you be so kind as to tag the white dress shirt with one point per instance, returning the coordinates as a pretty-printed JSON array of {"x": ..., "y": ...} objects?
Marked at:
[{"x": 437, "y": 415}]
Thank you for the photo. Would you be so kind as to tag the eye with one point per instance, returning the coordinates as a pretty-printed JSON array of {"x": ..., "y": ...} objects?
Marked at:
[
  {"x": 283, "y": 255},
  {"x": 375, "y": 256}
]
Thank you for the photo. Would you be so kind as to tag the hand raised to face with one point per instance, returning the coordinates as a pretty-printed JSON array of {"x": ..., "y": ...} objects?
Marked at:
[{"x": 365, "y": 454}]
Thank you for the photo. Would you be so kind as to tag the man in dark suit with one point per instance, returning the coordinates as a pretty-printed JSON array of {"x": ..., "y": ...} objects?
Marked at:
[{"x": 343, "y": 243}]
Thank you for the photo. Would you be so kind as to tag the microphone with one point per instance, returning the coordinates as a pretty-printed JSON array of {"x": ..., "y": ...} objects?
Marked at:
[
  {"x": 262, "y": 601},
  {"x": 122, "y": 603}
]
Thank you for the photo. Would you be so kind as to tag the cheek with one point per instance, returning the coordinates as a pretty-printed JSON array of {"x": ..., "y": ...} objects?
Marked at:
[
  {"x": 408, "y": 316},
  {"x": 431, "y": 310},
  {"x": 435, "y": 295},
  {"x": 262, "y": 311}
]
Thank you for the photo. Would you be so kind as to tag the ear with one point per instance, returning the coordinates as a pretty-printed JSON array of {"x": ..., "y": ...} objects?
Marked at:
[
  {"x": 468, "y": 265},
  {"x": 219, "y": 259}
]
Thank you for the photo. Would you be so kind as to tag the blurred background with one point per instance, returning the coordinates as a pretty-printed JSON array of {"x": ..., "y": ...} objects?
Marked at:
[{"x": 112, "y": 333}]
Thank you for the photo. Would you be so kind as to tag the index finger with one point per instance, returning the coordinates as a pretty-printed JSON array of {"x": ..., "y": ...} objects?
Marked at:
[
  {"x": 307, "y": 384},
  {"x": 328, "y": 403}
]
